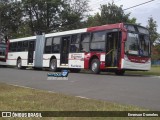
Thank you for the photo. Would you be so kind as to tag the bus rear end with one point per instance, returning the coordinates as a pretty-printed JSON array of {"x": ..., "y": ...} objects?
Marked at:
[{"x": 3, "y": 49}]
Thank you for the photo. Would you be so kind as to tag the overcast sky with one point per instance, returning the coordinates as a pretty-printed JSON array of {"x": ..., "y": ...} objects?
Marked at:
[{"x": 141, "y": 12}]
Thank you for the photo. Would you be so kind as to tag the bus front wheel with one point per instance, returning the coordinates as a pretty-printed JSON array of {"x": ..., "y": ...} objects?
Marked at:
[
  {"x": 95, "y": 66},
  {"x": 53, "y": 65}
]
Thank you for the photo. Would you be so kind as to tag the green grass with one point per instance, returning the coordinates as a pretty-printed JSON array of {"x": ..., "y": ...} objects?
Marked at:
[
  {"x": 155, "y": 70},
  {"x": 22, "y": 99}
]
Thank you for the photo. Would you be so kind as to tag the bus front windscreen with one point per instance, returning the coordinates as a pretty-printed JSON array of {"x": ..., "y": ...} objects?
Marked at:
[{"x": 137, "y": 44}]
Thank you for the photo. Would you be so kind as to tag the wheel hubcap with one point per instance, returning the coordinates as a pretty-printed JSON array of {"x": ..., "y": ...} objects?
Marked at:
[
  {"x": 53, "y": 66},
  {"x": 19, "y": 64},
  {"x": 94, "y": 66}
]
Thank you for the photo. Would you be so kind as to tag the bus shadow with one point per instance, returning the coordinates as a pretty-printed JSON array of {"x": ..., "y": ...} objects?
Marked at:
[
  {"x": 113, "y": 74},
  {"x": 81, "y": 72}
]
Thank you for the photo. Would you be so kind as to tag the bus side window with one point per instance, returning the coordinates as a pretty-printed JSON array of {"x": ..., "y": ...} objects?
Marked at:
[
  {"x": 48, "y": 45},
  {"x": 19, "y": 46},
  {"x": 98, "y": 41},
  {"x": 84, "y": 44},
  {"x": 56, "y": 45},
  {"x": 74, "y": 46},
  {"x": 14, "y": 46},
  {"x": 25, "y": 45},
  {"x": 10, "y": 47}
]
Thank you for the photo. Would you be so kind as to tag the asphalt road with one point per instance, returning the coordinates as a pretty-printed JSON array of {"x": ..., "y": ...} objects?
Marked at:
[{"x": 143, "y": 91}]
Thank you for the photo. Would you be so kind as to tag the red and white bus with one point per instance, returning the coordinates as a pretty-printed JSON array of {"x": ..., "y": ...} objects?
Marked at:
[
  {"x": 3, "y": 50},
  {"x": 114, "y": 47}
]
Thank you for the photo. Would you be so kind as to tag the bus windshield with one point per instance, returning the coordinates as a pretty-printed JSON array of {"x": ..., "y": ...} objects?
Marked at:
[{"x": 137, "y": 44}]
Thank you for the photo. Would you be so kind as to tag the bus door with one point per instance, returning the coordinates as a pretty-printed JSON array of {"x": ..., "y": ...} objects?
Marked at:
[
  {"x": 30, "y": 51},
  {"x": 112, "y": 50},
  {"x": 64, "y": 50}
]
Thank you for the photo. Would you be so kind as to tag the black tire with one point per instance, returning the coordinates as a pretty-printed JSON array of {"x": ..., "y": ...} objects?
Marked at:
[
  {"x": 23, "y": 67},
  {"x": 19, "y": 64},
  {"x": 35, "y": 68},
  {"x": 74, "y": 70},
  {"x": 53, "y": 65},
  {"x": 95, "y": 66},
  {"x": 120, "y": 72}
]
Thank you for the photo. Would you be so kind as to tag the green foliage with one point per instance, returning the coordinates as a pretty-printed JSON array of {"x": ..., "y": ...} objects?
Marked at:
[
  {"x": 110, "y": 13},
  {"x": 74, "y": 14},
  {"x": 152, "y": 27},
  {"x": 10, "y": 17},
  {"x": 24, "y": 18},
  {"x": 43, "y": 15}
]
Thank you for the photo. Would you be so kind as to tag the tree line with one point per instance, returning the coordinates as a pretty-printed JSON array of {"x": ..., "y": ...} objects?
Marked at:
[
  {"x": 25, "y": 17},
  {"x": 28, "y": 17}
]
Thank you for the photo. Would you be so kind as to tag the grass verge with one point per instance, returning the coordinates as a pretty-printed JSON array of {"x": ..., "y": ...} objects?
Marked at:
[{"x": 14, "y": 98}]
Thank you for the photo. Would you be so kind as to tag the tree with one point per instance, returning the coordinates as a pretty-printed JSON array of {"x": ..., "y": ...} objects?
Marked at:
[
  {"x": 10, "y": 17},
  {"x": 74, "y": 14},
  {"x": 152, "y": 27},
  {"x": 110, "y": 13},
  {"x": 43, "y": 15}
]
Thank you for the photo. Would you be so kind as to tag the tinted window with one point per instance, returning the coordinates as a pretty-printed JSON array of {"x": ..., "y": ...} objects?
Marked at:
[
  {"x": 75, "y": 39},
  {"x": 48, "y": 45},
  {"x": 98, "y": 41},
  {"x": 143, "y": 30},
  {"x": 98, "y": 36},
  {"x": 97, "y": 46},
  {"x": 2, "y": 51},
  {"x": 130, "y": 27},
  {"x": 25, "y": 45},
  {"x": 14, "y": 46},
  {"x": 84, "y": 44},
  {"x": 19, "y": 47},
  {"x": 85, "y": 37},
  {"x": 56, "y": 45},
  {"x": 74, "y": 46}
]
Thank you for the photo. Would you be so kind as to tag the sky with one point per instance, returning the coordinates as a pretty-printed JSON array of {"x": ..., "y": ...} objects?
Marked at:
[{"x": 141, "y": 13}]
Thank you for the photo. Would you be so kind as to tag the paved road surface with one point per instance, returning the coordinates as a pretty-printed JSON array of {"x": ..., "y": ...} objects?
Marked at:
[{"x": 143, "y": 91}]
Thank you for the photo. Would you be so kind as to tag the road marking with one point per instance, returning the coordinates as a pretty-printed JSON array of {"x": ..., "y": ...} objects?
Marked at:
[
  {"x": 155, "y": 77},
  {"x": 30, "y": 88},
  {"x": 82, "y": 97},
  {"x": 43, "y": 90}
]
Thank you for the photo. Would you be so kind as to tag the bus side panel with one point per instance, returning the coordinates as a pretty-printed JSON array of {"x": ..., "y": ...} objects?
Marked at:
[
  {"x": 47, "y": 58},
  {"x": 76, "y": 60},
  {"x": 13, "y": 56}
]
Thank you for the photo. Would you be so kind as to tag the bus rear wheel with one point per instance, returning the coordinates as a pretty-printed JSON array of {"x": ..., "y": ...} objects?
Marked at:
[
  {"x": 120, "y": 72},
  {"x": 19, "y": 64},
  {"x": 53, "y": 65},
  {"x": 95, "y": 66},
  {"x": 75, "y": 70}
]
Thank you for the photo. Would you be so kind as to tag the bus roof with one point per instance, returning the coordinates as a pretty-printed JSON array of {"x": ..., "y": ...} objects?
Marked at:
[{"x": 90, "y": 29}]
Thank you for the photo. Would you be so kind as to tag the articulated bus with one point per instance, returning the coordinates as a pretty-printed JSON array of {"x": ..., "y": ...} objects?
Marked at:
[
  {"x": 3, "y": 50},
  {"x": 115, "y": 47}
]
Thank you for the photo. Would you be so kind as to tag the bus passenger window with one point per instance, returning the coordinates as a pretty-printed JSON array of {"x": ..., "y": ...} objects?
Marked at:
[
  {"x": 56, "y": 45},
  {"x": 74, "y": 46},
  {"x": 25, "y": 45},
  {"x": 84, "y": 45},
  {"x": 98, "y": 41},
  {"x": 48, "y": 45}
]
